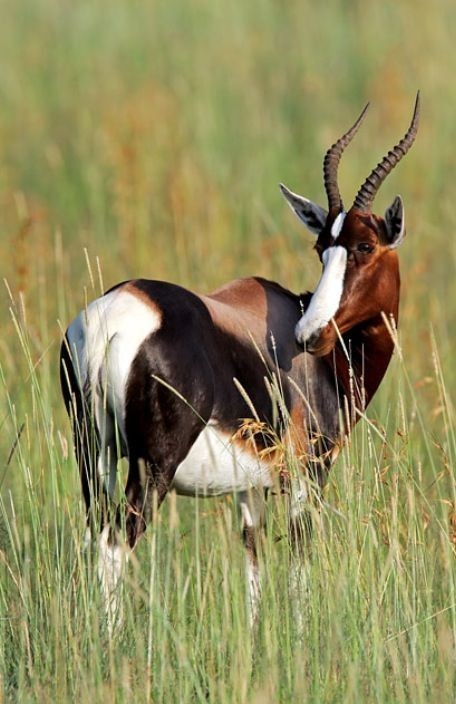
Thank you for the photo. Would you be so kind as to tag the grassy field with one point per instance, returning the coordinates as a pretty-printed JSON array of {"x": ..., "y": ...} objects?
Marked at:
[{"x": 148, "y": 139}]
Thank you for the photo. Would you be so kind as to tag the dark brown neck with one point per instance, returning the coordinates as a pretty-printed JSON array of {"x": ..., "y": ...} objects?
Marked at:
[{"x": 370, "y": 347}]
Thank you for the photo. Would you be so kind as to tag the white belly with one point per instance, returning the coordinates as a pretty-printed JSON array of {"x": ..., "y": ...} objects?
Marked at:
[{"x": 216, "y": 466}]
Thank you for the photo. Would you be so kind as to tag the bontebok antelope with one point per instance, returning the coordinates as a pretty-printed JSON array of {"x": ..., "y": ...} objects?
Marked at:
[{"x": 169, "y": 378}]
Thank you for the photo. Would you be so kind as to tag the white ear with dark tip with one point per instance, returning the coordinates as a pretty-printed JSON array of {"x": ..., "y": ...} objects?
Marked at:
[
  {"x": 311, "y": 214},
  {"x": 395, "y": 223}
]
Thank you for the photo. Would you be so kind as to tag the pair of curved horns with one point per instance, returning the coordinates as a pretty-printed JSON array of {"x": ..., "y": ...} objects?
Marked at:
[{"x": 368, "y": 191}]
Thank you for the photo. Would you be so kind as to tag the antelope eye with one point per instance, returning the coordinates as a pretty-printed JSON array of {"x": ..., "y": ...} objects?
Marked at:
[{"x": 364, "y": 247}]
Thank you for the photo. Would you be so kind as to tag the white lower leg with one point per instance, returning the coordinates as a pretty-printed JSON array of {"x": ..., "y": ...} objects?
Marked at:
[
  {"x": 253, "y": 585},
  {"x": 112, "y": 557},
  {"x": 298, "y": 579},
  {"x": 252, "y": 511},
  {"x": 87, "y": 540},
  {"x": 299, "y": 589}
]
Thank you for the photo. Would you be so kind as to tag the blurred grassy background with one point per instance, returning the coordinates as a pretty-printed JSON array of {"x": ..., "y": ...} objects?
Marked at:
[{"x": 154, "y": 134}]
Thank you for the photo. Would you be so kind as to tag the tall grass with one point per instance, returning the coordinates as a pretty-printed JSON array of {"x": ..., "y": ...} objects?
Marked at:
[{"x": 154, "y": 135}]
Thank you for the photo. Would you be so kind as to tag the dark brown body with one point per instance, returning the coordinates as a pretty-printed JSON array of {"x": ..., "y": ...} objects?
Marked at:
[
  {"x": 190, "y": 371},
  {"x": 202, "y": 393}
]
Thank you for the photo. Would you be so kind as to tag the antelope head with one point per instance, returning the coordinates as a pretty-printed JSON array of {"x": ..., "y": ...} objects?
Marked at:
[{"x": 360, "y": 277}]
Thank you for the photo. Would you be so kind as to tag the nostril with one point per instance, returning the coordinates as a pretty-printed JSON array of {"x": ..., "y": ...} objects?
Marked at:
[
  {"x": 309, "y": 339},
  {"x": 312, "y": 340}
]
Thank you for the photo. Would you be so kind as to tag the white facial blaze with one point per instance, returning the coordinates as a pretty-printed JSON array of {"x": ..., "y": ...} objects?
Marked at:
[
  {"x": 326, "y": 299},
  {"x": 337, "y": 225}
]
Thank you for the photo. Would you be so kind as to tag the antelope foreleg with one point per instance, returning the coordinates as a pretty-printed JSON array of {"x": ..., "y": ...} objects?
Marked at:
[{"x": 252, "y": 514}]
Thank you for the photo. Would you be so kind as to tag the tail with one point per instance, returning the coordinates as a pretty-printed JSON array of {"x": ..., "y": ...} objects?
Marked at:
[{"x": 76, "y": 396}]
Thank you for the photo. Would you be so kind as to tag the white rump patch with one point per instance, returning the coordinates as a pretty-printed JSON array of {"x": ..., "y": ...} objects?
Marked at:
[
  {"x": 337, "y": 225},
  {"x": 325, "y": 302},
  {"x": 104, "y": 340}
]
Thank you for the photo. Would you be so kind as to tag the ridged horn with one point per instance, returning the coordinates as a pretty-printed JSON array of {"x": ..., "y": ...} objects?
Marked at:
[
  {"x": 331, "y": 164},
  {"x": 368, "y": 191}
]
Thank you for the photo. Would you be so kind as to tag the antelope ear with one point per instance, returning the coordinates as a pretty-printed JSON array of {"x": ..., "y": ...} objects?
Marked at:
[
  {"x": 313, "y": 217},
  {"x": 395, "y": 223}
]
